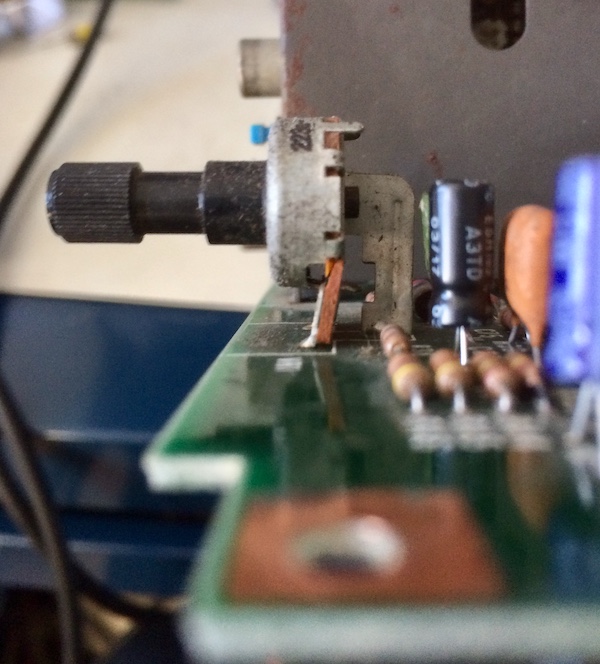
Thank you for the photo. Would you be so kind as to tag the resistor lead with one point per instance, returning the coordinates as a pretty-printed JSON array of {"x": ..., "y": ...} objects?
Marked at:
[
  {"x": 531, "y": 376},
  {"x": 499, "y": 380},
  {"x": 452, "y": 379},
  {"x": 394, "y": 340},
  {"x": 461, "y": 239},
  {"x": 506, "y": 317},
  {"x": 572, "y": 350},
  {"x": 526, "y": 268},
  {"x": 328, "y": 297}
]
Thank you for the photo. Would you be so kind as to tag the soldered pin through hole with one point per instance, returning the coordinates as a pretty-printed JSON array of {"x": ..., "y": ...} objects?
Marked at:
[{"x": 364, "y": 544}]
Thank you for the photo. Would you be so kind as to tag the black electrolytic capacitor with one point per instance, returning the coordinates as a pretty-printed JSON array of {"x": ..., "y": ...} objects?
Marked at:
[{"x": 461, "y": 242}]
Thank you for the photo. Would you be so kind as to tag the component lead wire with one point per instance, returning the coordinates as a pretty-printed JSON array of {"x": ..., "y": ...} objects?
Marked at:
[
  {"x": 459, "y": 401},
  {"x": 542, "y": 400},
  {"x": 311, "y": 340},
  {"x": 505, "y": 402},
  {"x": 587, "y": 406},
  {"x": 417, "y": 403},
  {"x": 462, "y": 344},
  {"x": 581, "y": 415}
]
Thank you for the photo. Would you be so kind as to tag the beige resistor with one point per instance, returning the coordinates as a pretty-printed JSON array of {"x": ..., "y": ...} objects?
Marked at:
[
  {"x": 394, "y": 340},
  {"x": 483, "y": 360},
  {"x": 500, "y": 380},
  {"x": 497, "y": 378},
  {"x": 450, "y": 374},
  {"x": 526, "y": 367},
  {"x": 410, "y": 379},
  {"x": 441, "y": 356},
  {"x": 398, "y": 360}
]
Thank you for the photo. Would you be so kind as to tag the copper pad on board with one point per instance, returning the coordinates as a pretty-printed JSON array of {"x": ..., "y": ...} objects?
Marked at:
[{"x": 446, "y": 559}]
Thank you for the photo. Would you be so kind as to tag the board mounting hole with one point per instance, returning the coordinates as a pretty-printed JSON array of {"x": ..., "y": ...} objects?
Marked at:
[
  {"x": 364, "y": 544},
  {"x": 498, "y": 24}
]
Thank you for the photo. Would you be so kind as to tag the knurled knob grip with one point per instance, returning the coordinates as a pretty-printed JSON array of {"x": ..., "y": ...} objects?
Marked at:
[{"x": 92, "y": 202}]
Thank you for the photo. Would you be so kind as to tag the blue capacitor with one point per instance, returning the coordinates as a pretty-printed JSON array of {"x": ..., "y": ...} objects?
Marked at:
[{"x": 572, "y": 350}]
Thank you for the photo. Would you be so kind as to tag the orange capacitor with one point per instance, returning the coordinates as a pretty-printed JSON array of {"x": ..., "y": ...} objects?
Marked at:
[{"x": 526, "y": 267}]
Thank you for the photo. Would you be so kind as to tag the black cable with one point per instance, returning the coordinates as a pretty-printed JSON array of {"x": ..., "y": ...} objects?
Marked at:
[
  {"x": 19, "y": 511},
  {"x": 23, "y": 454},
  {"x": 36, "y": 514},
  {"x": 15, "y": 183},
  {"x": 10, "y": 495},
  {"x": 24, "y": 458}
]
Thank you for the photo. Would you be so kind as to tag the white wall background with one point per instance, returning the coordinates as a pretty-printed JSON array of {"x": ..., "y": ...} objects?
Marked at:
[{"x": 162, "y": 89}]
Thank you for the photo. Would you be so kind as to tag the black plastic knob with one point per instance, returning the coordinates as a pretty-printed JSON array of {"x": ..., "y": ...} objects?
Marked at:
[
  {"x": 119, "y": 202},
  {"x": 92, "y": 202}
]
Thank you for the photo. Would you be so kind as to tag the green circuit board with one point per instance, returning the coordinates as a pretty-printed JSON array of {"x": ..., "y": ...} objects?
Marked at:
[{"x": 490, "y": 522}]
